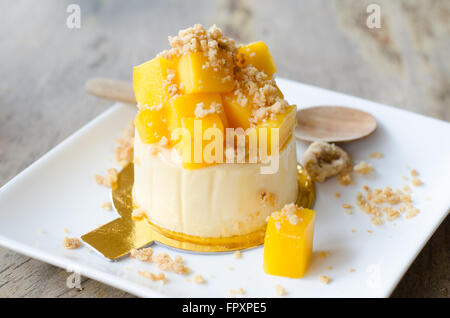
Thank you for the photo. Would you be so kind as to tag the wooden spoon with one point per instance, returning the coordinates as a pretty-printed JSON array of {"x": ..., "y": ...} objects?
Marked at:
[
  {"x": 320, "y": 123},
  {"x": 333, "y": 124},
  {"x": 111, "y": 89}
]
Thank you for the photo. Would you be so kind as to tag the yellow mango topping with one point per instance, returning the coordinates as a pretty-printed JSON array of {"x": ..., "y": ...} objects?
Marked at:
[
  {"x": 238, "y": 115},
  {"x": 197, "y": 76},
  {"x": 285, "y": 122},
  {"x": 205, "y": 76},
  {"x": 186, "y": 106},
  {"x": 155, "y": 81},
  {"x": 150, "y": 125},
  {"x": 258, "y": 55},
  {"x": 198, "y": 152},
  {"x": 289, "y": 241}
]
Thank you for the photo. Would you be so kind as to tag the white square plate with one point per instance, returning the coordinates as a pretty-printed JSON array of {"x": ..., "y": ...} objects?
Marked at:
[{"x": 58, "y": 192}]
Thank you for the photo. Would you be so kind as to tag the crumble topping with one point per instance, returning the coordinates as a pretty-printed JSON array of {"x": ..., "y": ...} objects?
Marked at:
[
  {"x": 388, "y": 203},
  {"x": 218, "y": 49},
  {"x": 279, "y": 290},
  {"x": 125, "y": 146},
  {"x": 239, "y": 291},
  {"x": 375, "y": 155},
  {"x": 153, "y": 277},
  {"x": 322, "y": 160},
  {"x": 110, "y": 180},
  {"x": 416, "y": 182},
  {"x": 345, "y": 179},
  {"x": 165, "y": 263},
  {"x": 267, "y": 198},
  {"x": 178, "y": 259},
  {"x": 144, "y": 254},
  {"x": 71, "y": 243},
  {"x": 289, "y": 212},
  {"x": 363, "y": 168},
  {"x": 162, "y": 260},
  {"x": 324, "y": 279},
  {"x": 107, "y": 206},
  {"x": 198, "y": 279},
  {"x": 201, "y": 111},
  {"x": 257, "y": 88},
  {"x": 237, "y": 254}
]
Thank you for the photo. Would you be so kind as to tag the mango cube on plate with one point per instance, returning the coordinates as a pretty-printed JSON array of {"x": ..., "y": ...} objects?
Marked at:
[
  {"x": 289, "y": 241},
  {"x": 258, "y": 55},
  {"x": 198, "y": 76},
  {"x": 152, "y": 79}
]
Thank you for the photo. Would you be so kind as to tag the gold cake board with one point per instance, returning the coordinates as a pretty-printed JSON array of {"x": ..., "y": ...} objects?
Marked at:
[{"x": 117, "y": 238}]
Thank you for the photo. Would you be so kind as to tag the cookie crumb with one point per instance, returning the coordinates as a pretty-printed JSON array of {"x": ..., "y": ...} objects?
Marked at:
[
  {"x": 267, "y": 198},
  {"x": 110, "y": 180},
  {"x": 198, "y": 279},
  {"x": 375, "y": 155},
  {"x": 323, "y": 254},
  {"x": 363, "y": 168},
  {"x": 345, "y": 179},
  {"x": 237, "y": 254},
  {"x": 153, "y": 277},
  {"x": 239, "y": 291},
  {"x": 143, "y": 254},
  {"x": 71, "y": 243},
  {"x": 337, "y": 195},
  {"x": 351, "y": 270},
  {"x": 279, "y": 290},
  {"x": 107, "y": 206},
  {"x": 323, "y": 160},
  {"x": 324, "y": 279},
  {"x": 416, "y": 182}
]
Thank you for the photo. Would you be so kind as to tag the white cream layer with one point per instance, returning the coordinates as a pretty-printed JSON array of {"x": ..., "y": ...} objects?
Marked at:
[{"x": 217, "y": 201}]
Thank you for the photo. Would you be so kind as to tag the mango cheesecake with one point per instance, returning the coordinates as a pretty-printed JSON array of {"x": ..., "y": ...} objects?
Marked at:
[{"x": 214, "y": 154}]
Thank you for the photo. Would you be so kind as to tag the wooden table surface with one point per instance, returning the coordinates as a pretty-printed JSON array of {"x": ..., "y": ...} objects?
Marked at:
[{"x": 44, "y": 66}]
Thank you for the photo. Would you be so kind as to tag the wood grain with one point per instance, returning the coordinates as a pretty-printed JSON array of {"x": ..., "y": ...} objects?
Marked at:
[{"x": 323, "y": 43}]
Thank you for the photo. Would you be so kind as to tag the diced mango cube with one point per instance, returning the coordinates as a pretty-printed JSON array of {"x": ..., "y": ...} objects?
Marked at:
[
  {"x": 285, "y": 122},
  {"x": 238, "y": 115},
  {"x": 197, "y": 77},
  {"x": 191, "y": 147},
  {"x": 150, "y": 125},
  {"x": 288, "y": 242},
  {"x": 185, "y": 105},
  {"x": 150, "y": 81},
  {"x": 258, "y": 55}
]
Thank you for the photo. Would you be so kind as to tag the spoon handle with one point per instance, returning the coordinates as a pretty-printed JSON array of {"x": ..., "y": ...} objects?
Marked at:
[{"x": 111, "y": 89}]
